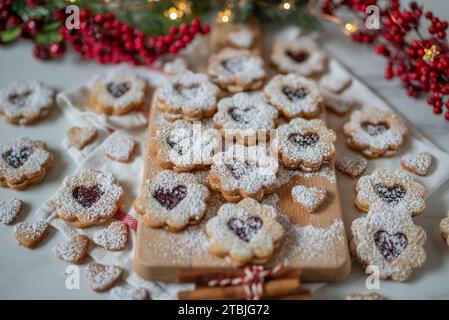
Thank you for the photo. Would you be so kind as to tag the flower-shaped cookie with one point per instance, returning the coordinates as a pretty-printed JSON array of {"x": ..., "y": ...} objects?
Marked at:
[
  {"x": 236, "y": 70},
  {"x": 118, "y": 93},
  {"x": 188, "y": 95},
  {"x": 88, "y": 198},
  {"x": 246, "y": 232},
  {"x": 246, "y": 116},
  {"x": 386, "y": 189},
  {"x": 25, "y": 102},
  {"x": 301, "y": 57},
  {"x": 390, "y": 241},
  {"x": 375, "y": 132},
  {"x": 294, "y": 96},
  {"x": 183, "y": 146},
  {"x": 23, "y": 162},
  {"x": 444, "y": 228},
  {"x": 172, "y": 200},
  {"x": 305, "y": 144},
  {"x": 243, "y": 172}
]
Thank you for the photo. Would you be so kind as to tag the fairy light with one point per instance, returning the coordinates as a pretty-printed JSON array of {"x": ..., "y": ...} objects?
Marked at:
[
  {"x": 350, "y": 28},
  {"x": 184, "y": 6},
  {"x": 286, "y": 5},
  {"x": 430, "y": 53},
  {"x": 224, "y": 16},
  {"x": 173, "y": 13}
]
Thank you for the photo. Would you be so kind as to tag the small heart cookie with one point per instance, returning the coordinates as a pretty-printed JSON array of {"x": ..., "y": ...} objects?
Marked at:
[
  {"x": 72, "y": 251},
  {"x": 114, "y": 238},
  {"x": 335, "y": 82},
  {"x": 120, "y": 149},
  {"x": 336, "y": 103},
  {"x": 310, "y": 198},
  {"x": 30, "y": 235},
  {"x": 444, "y": 228},
  {"x": 131, "y": 293},
  {"x": 418, "y": 164},
  {"x": 9, "y": 210},
  {"x": 102, "y": 277},
  {"x": 351, "y": 166},
  {"x": 81, "y": 137}
]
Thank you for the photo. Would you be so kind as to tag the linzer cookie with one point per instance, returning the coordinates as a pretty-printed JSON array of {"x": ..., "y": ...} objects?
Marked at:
[
  {"x": 172, "y": 200},
  {"x": 243, "y": 172},
  {"x": 81, "y": 137},
  {"x": 301, "y": 57},
  {"x": 73, "y": 251},
  {"x": 246, "y": 232},
  {"x": 351, "y": 166},
  {"x": 310, "y": 198},
  {"x": 120, "y": 149},
  {"x": 246, "y": 116},
  {"x": 102, "y": 277},
  {"x": 375, "y": 133},
  {"x": 189, "y": 96},
  {"x": 386, "y": 189},
  {"x": 305, "y": 144},
  {"x": 113, "y": 238},
  {"x": 243, "y": 38},
  {"x": 9, "y": 210},
  {"x": 25, "y": 102},
  {"x": 418, "y": 164},
  {"x": 294, "y": 96},
  {"x": 337, "y": 104},
  {"x": 29, "y": 235},
  {"x": 183, "y": 146},
  {"x": 118, "y": 93},
  {"x": 390, "y": 241},
  {"x": 88, "y": 198},
  {"x": 236, "y": 70},
  {"x": 444, "y": 228},
  {"x": 23, "y": 162}
]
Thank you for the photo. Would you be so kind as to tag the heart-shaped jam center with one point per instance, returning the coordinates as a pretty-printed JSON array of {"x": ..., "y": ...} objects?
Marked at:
[
  {"x": 298, "y": 56},
  {"x": 87, "y": 196},
  {"x": 19, "y": 99},
  {"x": 390, "y": 245},
  {"x": 17, "y": 157},
  {"x": 245, "y": 230},
  {"x": 169, "y": 199},
  {"x": 375, "y": 129},
  {"x": 118, "y": 89},
  {"x": 295, "y": 94},
  {"x": 188, "y": 92},
  {"x": 241, "y": 115},
  {"x": 238, "y": 170},
  {"x": 304, "y": 140},
  {"x": 234, "y": 66},
  {"x": 391, "y": 195}
]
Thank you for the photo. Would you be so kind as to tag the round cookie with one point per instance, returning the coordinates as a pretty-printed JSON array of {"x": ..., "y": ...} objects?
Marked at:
[
  {"x": 88, "y": 198},
  {"x": 246, "y": 232},
  {"x": 118, "y": 93},
  {"x": 386, "y": 189},
  {"x": 375, "y": 133},
  {"x": 305, "y": 144},
  {"x": 301, "y": 57},
  {"x": 25, "y": 102},
  {"x": 246, "y": 116},
  {"x": 243, "y": 172},
  {"x": 390, "y": 241},
  {"x": 294, "y": 96},
  {"x": 236, "y": 70},
  {"x": 23, "y": 162},
  {"x": 172, "y": 200},
  {"x": 188, "y": 95}
]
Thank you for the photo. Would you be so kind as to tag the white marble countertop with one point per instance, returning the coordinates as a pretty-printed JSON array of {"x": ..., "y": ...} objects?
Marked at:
[{"x": 36, "y": 274}]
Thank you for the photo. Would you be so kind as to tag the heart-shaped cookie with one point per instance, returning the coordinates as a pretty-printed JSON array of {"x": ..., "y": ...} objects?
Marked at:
[
  {"x": 81, "y": 137},
  {"x": 418, "y": 164},
  {"x": 9, "y": 210},
  {"x": 351, "y": 166},
  {"x": 114, "y": 238},
  {"x": 310, "y": 198},
  {"x": 390, "y": 246},
  {"x": 102, "y": 277},
  {"x": 30, "y": 235},
  {"x": 131, "y": 293},
  {"x": 120, "y": 149},
  {"x": 72, "y": 251}
]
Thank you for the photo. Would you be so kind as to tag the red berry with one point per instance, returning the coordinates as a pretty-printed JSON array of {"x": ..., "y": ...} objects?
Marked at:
[
  {"x": 173, "y": 30},
  {"x": 193, "y": 30},
  {"x": 446, "y": 116},
  {"x": 205, "y": 29},
  {"x": 186, "y": 38},
  {"x": 183, "y": 29},
  {"x": 98, "y": 18},
  {"x": 41, "y": 52},
  {"x": 173, "y": 49},
  {"x": 168, "y": 39},
  {"x": 437, "y": 110},
  {"x": 429, "y": 15},
  {"x": 196, "y": 22}
]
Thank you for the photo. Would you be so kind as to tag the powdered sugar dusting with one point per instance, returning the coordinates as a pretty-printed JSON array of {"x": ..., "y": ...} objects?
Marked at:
[
  {"x": 419, "y": 163},
  {"x": 309, "y": 197},
  {"x": 9, "y": 210},
  {"x": 113, "y": 238},
  {"x": 120, "y": 149}
]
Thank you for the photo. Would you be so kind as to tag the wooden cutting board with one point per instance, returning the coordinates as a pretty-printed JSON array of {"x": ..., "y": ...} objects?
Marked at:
[{"x": 315, "y": 243}]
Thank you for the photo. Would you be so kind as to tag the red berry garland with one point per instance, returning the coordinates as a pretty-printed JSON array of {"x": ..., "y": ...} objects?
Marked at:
[{"x": 421, "y": 63}]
